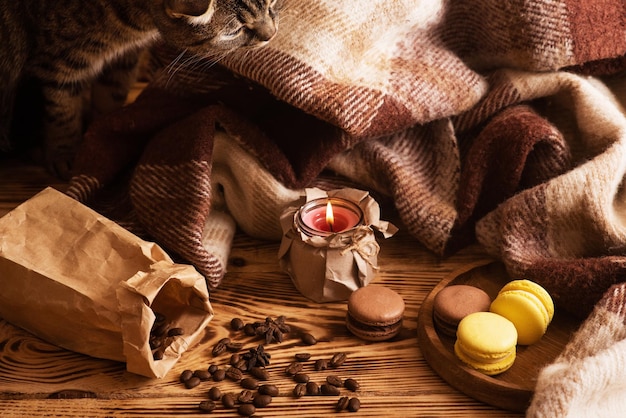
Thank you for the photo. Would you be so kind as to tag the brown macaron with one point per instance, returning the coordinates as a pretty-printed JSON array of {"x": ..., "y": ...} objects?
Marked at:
[
  {"x": 375, "y": 313},
  {"x": 454, "y": 303}
]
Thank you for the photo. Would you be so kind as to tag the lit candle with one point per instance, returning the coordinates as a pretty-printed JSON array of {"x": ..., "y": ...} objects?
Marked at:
[{"x": 326, "y": 216}]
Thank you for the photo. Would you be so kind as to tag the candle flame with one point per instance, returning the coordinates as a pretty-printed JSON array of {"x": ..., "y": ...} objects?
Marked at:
[{"x": 330, "y": 218}]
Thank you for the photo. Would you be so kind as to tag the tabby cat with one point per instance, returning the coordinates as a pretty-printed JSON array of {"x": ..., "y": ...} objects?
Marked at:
[{"x": 63, "y": 45}]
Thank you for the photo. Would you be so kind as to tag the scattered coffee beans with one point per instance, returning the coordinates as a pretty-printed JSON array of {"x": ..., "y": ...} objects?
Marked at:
[{"x": 254, "y": 362}]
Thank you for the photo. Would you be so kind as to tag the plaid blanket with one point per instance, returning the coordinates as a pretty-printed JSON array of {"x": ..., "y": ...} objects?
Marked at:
[{"x": 488, "y": 121}]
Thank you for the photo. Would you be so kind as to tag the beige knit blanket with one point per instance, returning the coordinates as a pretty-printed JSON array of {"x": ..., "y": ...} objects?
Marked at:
[{"x": 500, "y": 122}]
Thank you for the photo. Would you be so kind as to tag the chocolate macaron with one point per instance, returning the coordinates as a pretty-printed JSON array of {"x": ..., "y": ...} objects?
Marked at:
[
  {"x": 375, "y": 313},
  {"x": 455, "y": 302}
]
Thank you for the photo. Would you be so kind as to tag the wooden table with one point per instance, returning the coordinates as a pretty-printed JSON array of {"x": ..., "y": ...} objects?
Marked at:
[{"x": 38, "y": 379}]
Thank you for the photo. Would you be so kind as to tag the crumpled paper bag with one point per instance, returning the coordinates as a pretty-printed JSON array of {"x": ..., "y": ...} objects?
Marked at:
[
  {"x": 329, "y": 268},
  {"x": 80, "y": 281}
]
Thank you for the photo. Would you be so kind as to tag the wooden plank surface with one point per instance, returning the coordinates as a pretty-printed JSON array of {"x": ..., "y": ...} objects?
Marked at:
[{"x": 39, "y": 379}]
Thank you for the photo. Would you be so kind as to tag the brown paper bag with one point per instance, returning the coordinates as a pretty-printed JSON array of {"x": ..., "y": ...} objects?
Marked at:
[{"x": 82, "y": 282}]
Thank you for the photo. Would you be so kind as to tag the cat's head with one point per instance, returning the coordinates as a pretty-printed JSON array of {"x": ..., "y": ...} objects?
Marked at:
[{"x": 206, "y": 26}]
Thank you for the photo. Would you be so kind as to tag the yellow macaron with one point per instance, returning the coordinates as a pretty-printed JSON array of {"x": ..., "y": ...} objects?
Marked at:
[
  {"x": 528, "y": 306},
  {"x": 486, "y": 342}
]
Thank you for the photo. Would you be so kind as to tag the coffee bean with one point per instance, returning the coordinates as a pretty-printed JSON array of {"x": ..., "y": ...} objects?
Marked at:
[
  {"x": 203, "y": 375},
  {"x": 207, "y": 406},
  {"x": 293, "y": 368},
  {"x": 299, "y": 390},
  {"x": 249, "y": 383},
  {"x": 192, "y": 382},
  {"x": 186, "y": 375},
  {"x": 271, "y": 390},
  {"x": 234, "y": 374},
  {"x": 261, "y": 401},
  {"x": 334, "y": 380},
  {"x": 224, "y": 341},
  {"x": 308, "y": 339},
  {"x": 219, "y": 375},
  {"x": 215, "y": 393},
  {"x": 218, "y": 349},
  {"x": 342, "y": 403},
  {"x": 228, "y": 400},
  {"x": 157, "y": 355},
  {"x": 312, "y": 388},
  {"x": 303, "y": 357},
  {"x": 234, "y": 359},
  {"x": 159, "y": 329},
  {"x": 321, "y": 364},
  {"x": 155, "y": 342},
  {"x": 174, "y": 332},
  {"x": 249, "y": 330},
  {"x": 331, "y": 390},
  {"x": 337, "y": 360},
  {"x": 354, "y": 405},
  {"x": 351, "y": 384},
  {"x": 242, "y": 365},
  {"x": 245, "y": 396},
  {"x": 260, "y": 373},
  {"x": 246, "y": 410},
  {"x": 301, "y": 377},
  {"x": 233, "y": 347},
  {"x": 212, "y": 368},
  {"x": 236, "y": 324}
]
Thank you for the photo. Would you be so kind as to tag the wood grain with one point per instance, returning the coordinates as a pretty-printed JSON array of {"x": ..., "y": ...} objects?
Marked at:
[{"x": 38, "y": 379}]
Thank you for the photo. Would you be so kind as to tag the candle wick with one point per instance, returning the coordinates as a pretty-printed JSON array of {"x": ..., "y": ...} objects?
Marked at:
[{"x": 330, "y": 225}]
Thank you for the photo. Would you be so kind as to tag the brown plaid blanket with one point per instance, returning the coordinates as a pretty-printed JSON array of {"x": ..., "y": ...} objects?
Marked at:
[{"x": 500, "y": 122}]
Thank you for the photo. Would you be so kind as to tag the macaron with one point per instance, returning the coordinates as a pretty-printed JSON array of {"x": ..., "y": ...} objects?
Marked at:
[
  {"x": 486, "y": 342},
  {"x": 375, "y": 313},
  {"x": 455, "y": 302},
  {"x": 528, "y": 306}
]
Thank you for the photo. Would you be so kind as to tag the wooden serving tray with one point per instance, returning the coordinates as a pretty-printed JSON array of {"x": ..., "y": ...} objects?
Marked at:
[{"x": 513, "y": 389}]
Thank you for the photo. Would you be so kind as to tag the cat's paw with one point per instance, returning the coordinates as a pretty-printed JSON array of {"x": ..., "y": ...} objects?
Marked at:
[{"x": 59, "y": 161}]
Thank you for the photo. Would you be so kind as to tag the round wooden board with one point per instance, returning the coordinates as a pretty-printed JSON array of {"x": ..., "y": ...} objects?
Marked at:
[{"x": 513, "y": 389}]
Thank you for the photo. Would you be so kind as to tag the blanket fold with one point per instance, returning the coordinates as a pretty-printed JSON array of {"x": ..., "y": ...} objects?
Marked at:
[{"x": 489, "y": 122}]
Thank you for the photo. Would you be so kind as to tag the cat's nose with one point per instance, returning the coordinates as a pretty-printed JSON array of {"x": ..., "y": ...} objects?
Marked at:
[
  {"x": 179, "y": 8},
  {"x": 264, "y": 31}
]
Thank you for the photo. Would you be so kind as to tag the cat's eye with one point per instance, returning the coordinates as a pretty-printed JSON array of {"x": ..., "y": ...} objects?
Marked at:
[{"x": 179, "y": 8}]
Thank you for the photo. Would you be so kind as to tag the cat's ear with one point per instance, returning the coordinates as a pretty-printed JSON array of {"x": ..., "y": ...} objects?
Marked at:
[{"x": 179, "y": 8}]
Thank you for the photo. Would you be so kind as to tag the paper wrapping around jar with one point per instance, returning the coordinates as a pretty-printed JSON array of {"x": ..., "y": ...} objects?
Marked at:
[
  {"x": 329, "y": 268},
  {"x": 80, "y": 281}
]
